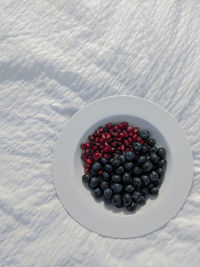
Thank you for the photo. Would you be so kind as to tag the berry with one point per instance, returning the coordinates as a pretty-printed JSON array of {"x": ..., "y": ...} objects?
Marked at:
[
  {"x": 108, "y": 168},
  {"x": 119, "y": 170},
  {"x": 106, "y": 176},
  {"x": 144, "y": 191},
  {"x": 162, "y": 163},
  {"x": 131, "y": 207},
  {"x": 96, "y": 167},
  {"x": 128, "y": 166},
  {"x": 154, "y": 158},
  {"x": 116, "y": 163},
  {"x": 145, "y": 180},
  {"x": 160, "y": 171},
  {"x": 129, "y": 188},
  {"x": 153, "y": 149},
  {"x": 151, "y": 142},
  {"x": 116, "y": 188},
  {"x": 154, "y": 191},
  {"x": 142, "y": 200},
  {"x": 97, "y": 193},
  {"x": 153, "y": 176},
  {"x": 137, "y": 147},
  {"x": 136, "y": 196},
  {"x": 86, "y": 178},
  {"x": 126, "y": 178},
  {"x": 137, "y": 171},
  {"x": 127, "y": 199},
  {"x": 104, "y": 161},
  {"x": 147, "y": 166},
  {"x": 93, "y": 172},
  {"x": 130, "y": 156},
  {"x": 104, "y": 185},
  {"x": 141, "y": 160},
  {"x": 116, "y": 178},
  {"x": 107, "y": 193},
  {"x": 94, "y": 182},
  {"x": 144, "y": 134},
  {"x": 161, "y": 152},
  {"x": 145, "y": 149},
  {"x": 116, "y": 200},
  {"x": 122, "y": 158},
  {"x": 137, "y": 183}
]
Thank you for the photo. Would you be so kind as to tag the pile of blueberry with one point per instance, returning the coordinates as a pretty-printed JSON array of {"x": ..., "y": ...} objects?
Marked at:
[{"x": 127, "y": 179}]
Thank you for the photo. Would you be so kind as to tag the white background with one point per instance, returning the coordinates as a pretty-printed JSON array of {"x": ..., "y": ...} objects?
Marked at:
[{"x": 56, "y": 56}]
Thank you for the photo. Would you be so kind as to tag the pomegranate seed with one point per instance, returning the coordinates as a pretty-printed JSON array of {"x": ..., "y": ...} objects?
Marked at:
[
  {"x": 106, "y": 149},
  {"x": 115, "y": 127},
  {"x": 94, "y": 148},
  {"x": 115, "y": 134},
  {"x": 139, "y": 139},
  {"x": 125, "y": 133},
  {"x": 109, "y": 125},
  {"x": 101, "y": 140},
  {"x": 87, "y": 145},
  {"x": 134, "y": 136},
  {"x": 84, "y": 155},
  {"x": 100, "y": 172},
  {"x": 126, "y": 142},
  {"x": 127, "y": 149},
  {"x": 106, "y": 144},
  {"x": 101, "y": 129},
  {"x": 87, "y": 150},
  {"x": 89, "y": 161},
  {"x": 121, "y": 125},
  {"x": 124, "y": 124},
  {"x": 87, "y": 165},
  {"x": 111, "y": 131},
  {"x": 142, "y": 142},
  {"x": 118, "y": 139},
  {"x": 130, "y": 134},
  {"x": 136, "y": 130},
  {"x": 130, "y": 140},
  {"x": 121, "y": 135},
  {"x": 108, "y": 136},
  {"x": 86, "y": 170},
  {"x": 106, "y": 156},
  {"x": 83, "y": 146},
  {"x": 119, "y": 131},
  {"x": 91, "y": 138},
  {"x": 114, "y": 143},
  {"x": 129, "y": 129},
  {"x": 103, "y": 136},
  {"x": 97, "y": 155},
  {"x": 97, "y": 139},
  {"x": 122, "y": 147}
]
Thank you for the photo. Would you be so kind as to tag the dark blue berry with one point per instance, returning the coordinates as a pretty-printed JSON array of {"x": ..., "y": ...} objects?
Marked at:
[
  {"x": 153, "y": 176},
  {"x": 108, "y": 168},
  {"x": 129, "y": 188},
  {"x": 141, "y": 160},
  {"x": 104, "y": 161},
  {"x": 144, "y": 134},
  {"x": 161, "y": 152},
  {"x": 142, "y": 200},
  {"x": 116, "y": 200},
  {"x": 127, "y": 199},
  {"x": 107, "y": 193},
  {"x": 162, "y": 163},
  {"x": 116, "y": 188},
  {"x": 160, "y": 171},
  {"x": 104, "y": 185},
  {"x": 119, "y": 170},
  {"x": 106, "y": 176},
  {"x": 128, "y": 166},
  {"x": 107, "y": 201},
  {"x": 145, "y": 149},
  {"x": 132, "y": 206},
  {"x": 151, "y": 142},
  {"x": 138, "y": 147},
  {"x": 96, "y": 167},
  {"x": 147, "y": 166},
  {"x": 86, "y": 178},
  {"x": 130, "y": 155},
  {"x": 144, "y": 191},
  {"x": 154, "y": 158},
  {"x": 116, "y": 178},
  {"x": 126, "y": 178},
  {"x": 94, "y": 182},
  {"x": 154, "y": 191},
  {"x": 116, "y": 163},
  {"x": 137, "y": 183},
  {"x": 97, "y": 193},
  {"x": 122, "y": 158},
  {"x": 153, "y": 150},
  {"x": 136, "y": 196},
  {"x": 93, "y": 172},
  {"x": 145, "y": 180},
  {"x": 137, "y": 171}
]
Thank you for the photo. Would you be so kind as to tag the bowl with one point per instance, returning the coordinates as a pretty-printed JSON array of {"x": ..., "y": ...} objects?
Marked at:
[{"x": 67, "y": 168}]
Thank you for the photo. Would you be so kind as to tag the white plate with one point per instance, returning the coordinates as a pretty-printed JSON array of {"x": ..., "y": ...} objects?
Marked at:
[{"x": 67, "y": 167}]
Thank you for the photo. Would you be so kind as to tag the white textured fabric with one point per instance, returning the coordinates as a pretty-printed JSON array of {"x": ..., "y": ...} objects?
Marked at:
[{"x": 56, "y": 56}]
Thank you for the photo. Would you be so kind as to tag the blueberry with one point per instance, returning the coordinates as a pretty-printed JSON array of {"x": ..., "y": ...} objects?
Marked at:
[
  {"x": 151, "y": 142},
  {"x": 116, "y": 178},
  {"x": 137, "y": 146},
  {"x": 161, "y": 152},
  {"x": 137, "y": 183},
  {"x": 153, "y": 149},
  {"x": 97, "y": 193},
  {"x": 144, "y": 134},
  {"x": 145, "y": 149},
  {"x": 116, "y": 188},
  {"x": 153, "y": 176},
  {"x": 141, "y": 160},
  {"x": 94, "y": 182},
  {"x": 137, "y": 171},
  {"x": 144, "y": 191},
  {"x": 116, "y": 200},
  {"x": 128, "y": 166},
  {"x": 154, "y": 191},
  {"x": 107, "y": 193},
  {"x": 100, "y": 178},
  {"x": 126, "y": 178},
  {"x": 157, "y": 182},
  {"x": 107, "y": 201},
  {"x": 154, "y": 158},
  {"x": 106, "y": 176},
  {"x": 119, "y": 170},
  {"x": 142, "y": 200},
  {"x": 127, "y": 199},
  {"x": 145, "y": 180},
  {"x": 132, "y": 206},
  {"x": 96, "y": 166},
  {"x": 104, "y": 161},
  {"x": 93, "y": 172},
  {"x": 116, "y": 163},
  {"x": 86, "y": 178},
  {"x": 108, "y": 168},
  {"x": 104, "y": 185},
  {"x": 150, "y": 186},
  {"x": 129, "y": 188},
  {"x": 130, "y": 155},
  {"x": 147, "y": 166},
  {"x": 148, "y": 158},
  {"x": 136, "y": 196},
  {"x": 161, "y": 171},
  {"x": 162, "y": 163},
  {"x": 122, "y": 158}
]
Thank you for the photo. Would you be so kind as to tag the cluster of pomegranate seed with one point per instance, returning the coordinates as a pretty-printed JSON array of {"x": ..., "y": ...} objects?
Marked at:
[{"x": 109, "y": 140}]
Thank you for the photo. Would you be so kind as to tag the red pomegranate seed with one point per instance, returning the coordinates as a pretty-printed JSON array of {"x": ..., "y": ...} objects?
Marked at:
[
  {"x": 89, "y": 161},
  {"x": 120, "y": 125},
  {"x": 124, "y": 124},
  {"x": 111, "y": 131},
  {"x": 115, "y": 127},
  {"x": 136, "y": 130},
  {"x": 106, "y": 149},
  {"x": 100, "y": 172},
  {"x": 130, "y": 134},
  {"x": 101, "y": 129},
  {"x": 126, "y": 142},
  {"x": 119, "y": 130},
  {"x": 83, "y": 146},
  {"x": 122, "y": 147},
  {"x": 114, "y": 143},
  {"x": 87, "y": 145},
  {"x": 139, "y": 139},
  {"x": 127, "y": 149},
  {"x": 125, "y": 133},
  {"x": 115, "y": 134},
  {"x": 97, "y": 139},
  {"x": 103, "y": 136},
  {"x": 101, "y": 140},
  {"x": 130, "y": 140},
  {"x": 91, "y": 138},
  {"x": 108, "y": 136},
  {"x": 86, "y": 170},
  {"x": 87, "y": 150},
  {"x": 142, "y": 142},
  {"x": 106, "y": 144},
  {"x": 129, "y": 129},
  {"x": 106, "y": 156},
  {"x": 121, "y": 135},
  {"x": 94, "y": 148},
  {"x": 109, "y": 125},
  {"x": 134, "y": 136},
  {"x": 97, "y": 155}
]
